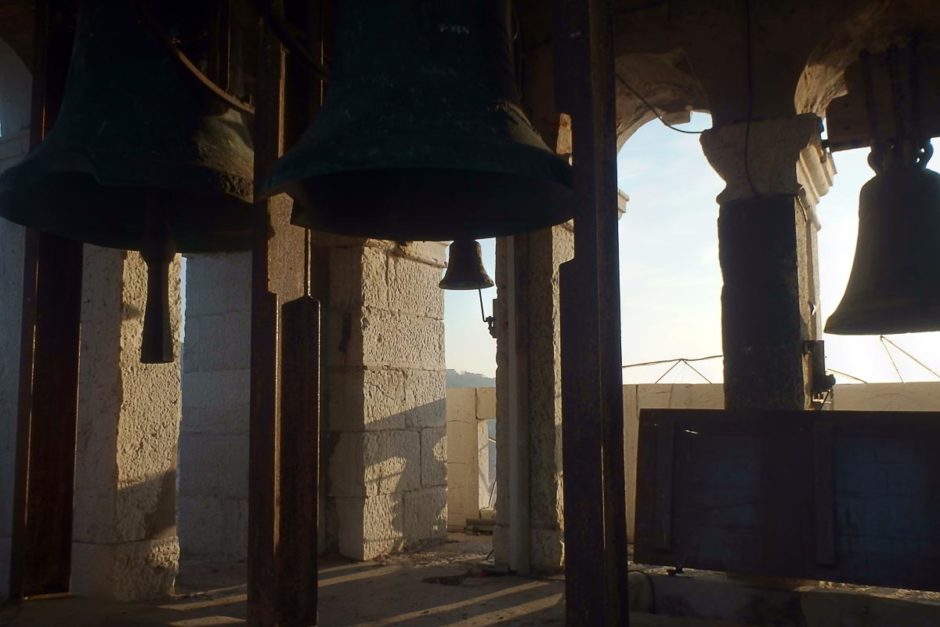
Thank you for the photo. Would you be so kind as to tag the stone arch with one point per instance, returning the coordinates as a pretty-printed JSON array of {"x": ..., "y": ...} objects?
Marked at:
[
  {"x": 665, "y": 80},
  {"x": 873, "y": 25}
]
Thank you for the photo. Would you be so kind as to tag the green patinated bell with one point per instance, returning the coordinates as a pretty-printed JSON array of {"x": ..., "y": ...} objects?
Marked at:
[
  {"x": 421, "y": 135},
  {"x": 894, "y": 286},
  {"x": 137, "y": 142},
  {"x": 141, "y": 157},
  {"x": 465, "y": 269}
]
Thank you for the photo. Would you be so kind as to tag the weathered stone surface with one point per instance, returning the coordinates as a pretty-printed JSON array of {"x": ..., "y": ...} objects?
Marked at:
[
  {"x": 434, "y": 457},
  {"x": 126, "y": 572},
  {"x": 425, "y": 398},
  {"x": 392, "y": 339},
  {"x": 213, "y": 528},
  {"x": 369, "y": 527},
  {"x": 412, "y": 288},
  {"x": 547, "y": 550},
  {"x": 425, "y": 515},
  {"x": 372, "y": 463},
  {"x": 216, "y": 464},
  {"x": 223, "y": 342},
  {"x": 218, "y": 284},
  {"x": 128, "y": 423}
]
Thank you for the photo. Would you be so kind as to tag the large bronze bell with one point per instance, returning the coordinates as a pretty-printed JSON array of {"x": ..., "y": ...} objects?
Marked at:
[
  {"x": 421, "y": 135},
  {"x": 141, "y": 157},
  {"x": 465, "y": 269},
  {"x": 894, "y": 286}
]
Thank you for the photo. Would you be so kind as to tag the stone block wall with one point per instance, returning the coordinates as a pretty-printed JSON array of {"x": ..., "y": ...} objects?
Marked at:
[
  {"x": 384, "y": 476},
  {"x": 468, "y": 478},
  {"x": 213, "y": 449},
  {"x": 384, "y": 358},
  {"x": 124, "y": 539}
]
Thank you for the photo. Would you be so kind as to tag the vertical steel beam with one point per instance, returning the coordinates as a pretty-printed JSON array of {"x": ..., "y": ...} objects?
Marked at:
[
  {"x": 592, "y": 382},
  {"x": 48, "y": 394}
]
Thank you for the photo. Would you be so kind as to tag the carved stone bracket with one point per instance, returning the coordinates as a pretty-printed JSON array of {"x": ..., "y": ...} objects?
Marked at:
[{"x": 783, "y": 156}]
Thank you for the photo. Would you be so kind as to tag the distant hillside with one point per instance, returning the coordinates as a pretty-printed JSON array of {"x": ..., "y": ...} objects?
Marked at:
[{"x": 456, "y": 379}]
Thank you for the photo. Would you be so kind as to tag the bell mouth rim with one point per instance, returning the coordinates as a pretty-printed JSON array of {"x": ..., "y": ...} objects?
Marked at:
[
  {"x": 884, "y": 320},
  {"x": 419, "y": 206}
]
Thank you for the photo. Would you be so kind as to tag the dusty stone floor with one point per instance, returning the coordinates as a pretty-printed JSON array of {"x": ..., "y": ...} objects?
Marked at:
[
  {"x": 442, "y": 585},
  {"x": 448, "y": 585}
]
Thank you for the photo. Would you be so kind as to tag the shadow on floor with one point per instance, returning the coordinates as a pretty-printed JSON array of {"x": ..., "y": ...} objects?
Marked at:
[{"x": 442, "y": 585}]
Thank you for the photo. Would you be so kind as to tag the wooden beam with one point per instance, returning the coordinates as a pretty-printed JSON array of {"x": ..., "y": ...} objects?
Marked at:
[
  {"x": 593, "y": 413},
  {"x": 48, "y": 394}
]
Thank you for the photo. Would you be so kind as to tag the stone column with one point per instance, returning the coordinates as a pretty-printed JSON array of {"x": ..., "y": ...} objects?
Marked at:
[
  {"x": 384, "y": 376},
  {"x": 124, "y": 530},
  {"x": 775, "y": 171},
  {"x": 213, "y": 451},
  {"x": 529, "y": 507}
]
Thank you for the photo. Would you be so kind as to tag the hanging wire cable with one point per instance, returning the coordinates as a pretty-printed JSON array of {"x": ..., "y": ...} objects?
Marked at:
[
  {"x": 911, "y": 357},
  {"x": 696, "y": 371},
  {"x": 749, "y": 63},
  {"x": 663, "y": 376},
  {"x": 669, "y": 361},
  {"x": 652, "y": 108},
  {"x": 846, "y": 374},
  {"x": 884, "y": 345}
]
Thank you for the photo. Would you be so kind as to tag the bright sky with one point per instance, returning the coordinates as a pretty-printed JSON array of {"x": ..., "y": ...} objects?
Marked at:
[{"x": 670, "y": 281}]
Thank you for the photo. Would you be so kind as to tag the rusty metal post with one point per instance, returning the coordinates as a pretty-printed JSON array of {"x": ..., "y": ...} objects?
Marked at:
[
  {"x": 48, "y": 395},
  {"x": 595, "y": 528}
]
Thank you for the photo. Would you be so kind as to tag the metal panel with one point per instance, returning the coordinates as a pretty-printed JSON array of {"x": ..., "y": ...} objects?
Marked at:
[{"x": 837, "y": 496}]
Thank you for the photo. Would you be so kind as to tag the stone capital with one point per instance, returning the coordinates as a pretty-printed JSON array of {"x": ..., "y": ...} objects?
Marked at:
[{"x": 784, "y": 156}]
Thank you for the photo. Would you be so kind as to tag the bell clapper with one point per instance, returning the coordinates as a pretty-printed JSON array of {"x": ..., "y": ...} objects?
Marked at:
[
  {"x": 156, "y": 346},
  {"x": 489, "y": 320}
]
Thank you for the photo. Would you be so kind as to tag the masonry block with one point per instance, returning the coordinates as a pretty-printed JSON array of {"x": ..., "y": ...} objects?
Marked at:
[
  {"x": 434, "y": 457},
  {"x": 213, "y": 528},
  {"x": 218, "y": 283},
  {"x": 125, "y": 572},
  {"x": 413, "y": 288},
  {"x": 366, "y": 399},
  {"x": 369, "y": 527},
  {"x": 397, "y": 340},
  {"x": 425, "y": 515},
  {"x": 425, "y": 398},
  {"x": 222, "y": 342},
  {"x": 372, "y": 463},
  {"x": 214, "y": 465}
]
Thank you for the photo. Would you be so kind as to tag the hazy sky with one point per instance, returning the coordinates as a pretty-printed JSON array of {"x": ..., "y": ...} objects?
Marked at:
[{"x": 670, "y": 281}]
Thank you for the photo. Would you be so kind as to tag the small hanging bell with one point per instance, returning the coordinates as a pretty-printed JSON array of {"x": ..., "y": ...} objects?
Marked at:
[
  {"x": 894, "y": 286},
  {"x": 465, "y": 269}
]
